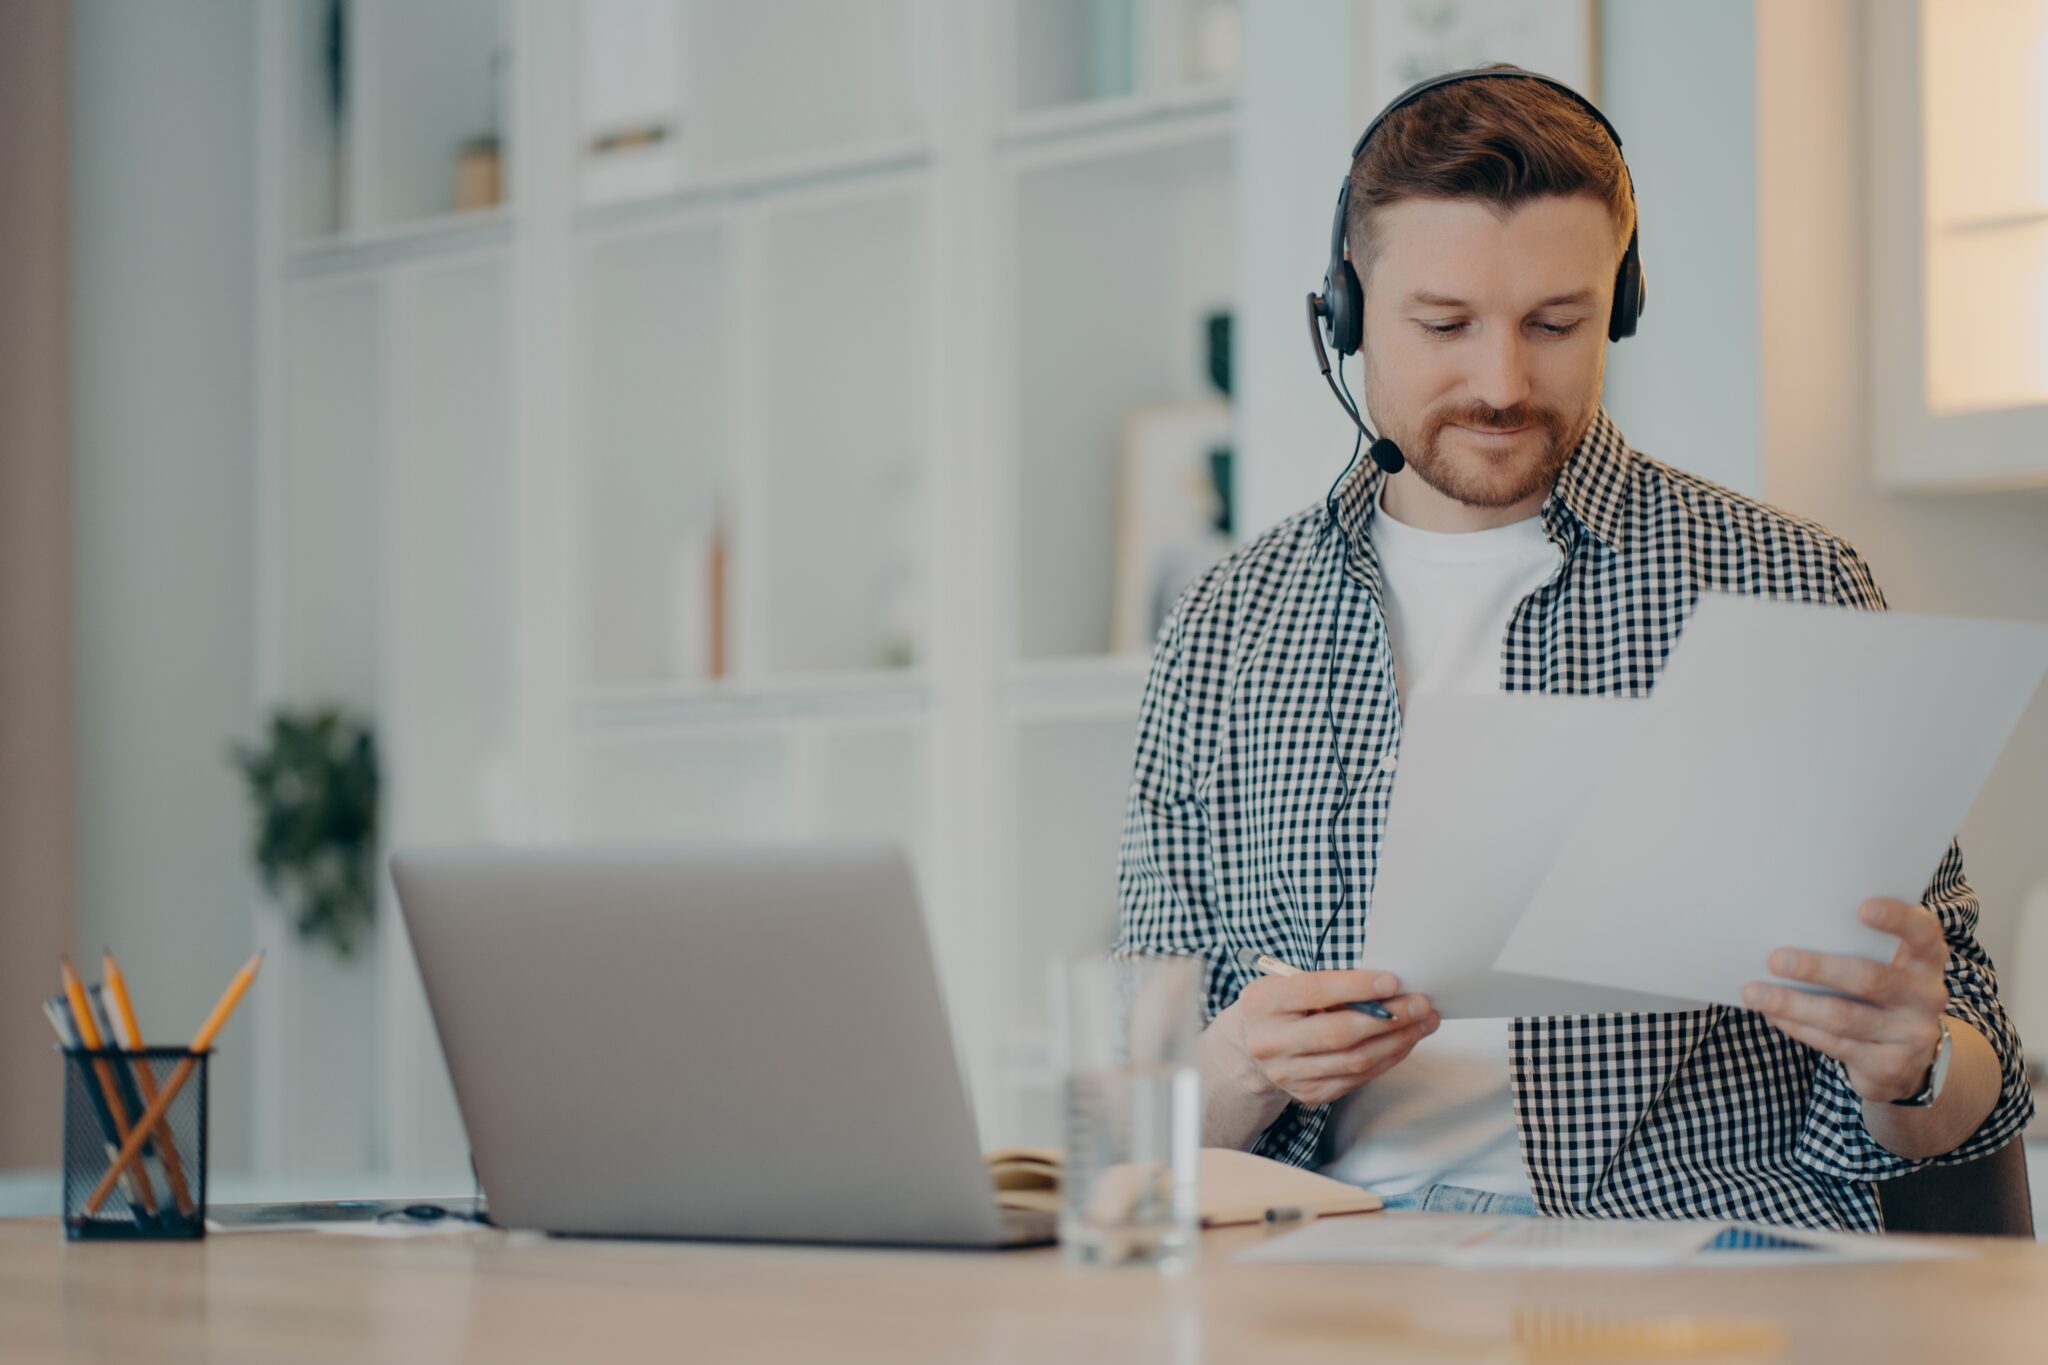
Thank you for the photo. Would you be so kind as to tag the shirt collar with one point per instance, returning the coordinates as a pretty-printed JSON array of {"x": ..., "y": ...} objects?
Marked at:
[{"x": 1591, "y": 489}]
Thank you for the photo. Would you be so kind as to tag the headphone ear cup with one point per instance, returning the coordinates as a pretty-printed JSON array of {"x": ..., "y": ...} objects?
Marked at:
[
  {"x": 1347, "y": 309},
  {"x": 1631, "y": 293}
]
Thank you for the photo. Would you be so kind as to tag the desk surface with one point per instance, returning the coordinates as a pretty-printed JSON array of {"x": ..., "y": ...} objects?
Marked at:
[{"x": 276, "y": 1297}]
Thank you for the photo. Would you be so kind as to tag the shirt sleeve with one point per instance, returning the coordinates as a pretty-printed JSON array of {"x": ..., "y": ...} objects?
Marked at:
[
  {"x": 1835, "y": 1139},
  {"x": 1166, "y": 895}
]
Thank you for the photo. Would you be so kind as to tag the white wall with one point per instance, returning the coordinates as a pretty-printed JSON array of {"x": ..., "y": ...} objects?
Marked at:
[
  {"x": 1972, "y": 555},
  {"x": 162, "y": 298},
  {"x": 1678, "y": 83},
  {"x": 1299, "y": 118}
]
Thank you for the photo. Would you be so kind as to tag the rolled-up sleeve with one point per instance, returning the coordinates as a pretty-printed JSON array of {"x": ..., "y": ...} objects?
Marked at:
[{"x": 1835, "y": 1138}]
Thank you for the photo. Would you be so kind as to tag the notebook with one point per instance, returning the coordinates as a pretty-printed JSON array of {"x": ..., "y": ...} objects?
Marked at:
[{"x": 1235, "y": 1187}]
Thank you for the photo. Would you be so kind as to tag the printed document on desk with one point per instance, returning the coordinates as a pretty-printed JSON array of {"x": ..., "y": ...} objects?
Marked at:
[
  {"x": 1793, "y": 761},
  {"x": 1475, "y": 1241},
  {"x": 1488, "y": 789}
]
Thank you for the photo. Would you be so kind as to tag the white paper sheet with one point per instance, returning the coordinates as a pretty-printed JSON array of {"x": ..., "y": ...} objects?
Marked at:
[
  {"x": 447, "y": 1227},
  {"x": 1487, "y": 1241},
  {"x": 1794, "y": 761},
  {"x": 1488, "y": 788},
  {"x": 1473, "y": 1239}
]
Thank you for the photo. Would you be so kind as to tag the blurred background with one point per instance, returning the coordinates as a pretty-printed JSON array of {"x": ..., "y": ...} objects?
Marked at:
[{"x": 536, "y": 421}]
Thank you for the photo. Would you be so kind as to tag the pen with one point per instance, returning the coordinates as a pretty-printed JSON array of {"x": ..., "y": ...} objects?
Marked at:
[{"x": 1252, "y": 960}]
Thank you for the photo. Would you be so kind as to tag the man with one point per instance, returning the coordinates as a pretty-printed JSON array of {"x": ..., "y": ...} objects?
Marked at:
[{"x": 1524, "y": 546}]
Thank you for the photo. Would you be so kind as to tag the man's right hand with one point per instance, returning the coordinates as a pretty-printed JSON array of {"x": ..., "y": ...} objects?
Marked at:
[{"x": 1298, "y": 1040}]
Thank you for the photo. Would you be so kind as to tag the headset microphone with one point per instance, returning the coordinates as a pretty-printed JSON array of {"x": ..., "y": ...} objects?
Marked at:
[{"x": 1383, "y": 451}]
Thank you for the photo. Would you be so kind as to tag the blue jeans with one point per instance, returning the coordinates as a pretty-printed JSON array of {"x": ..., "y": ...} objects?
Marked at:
[{"x": 1462, "y": 1199}]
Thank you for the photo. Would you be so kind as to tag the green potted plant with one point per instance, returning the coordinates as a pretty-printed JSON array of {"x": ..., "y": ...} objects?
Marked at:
[{"x": 313, "y": 786}]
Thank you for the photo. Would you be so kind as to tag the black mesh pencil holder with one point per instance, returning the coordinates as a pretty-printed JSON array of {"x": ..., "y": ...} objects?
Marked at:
[{"x": 162, "y": 1193}]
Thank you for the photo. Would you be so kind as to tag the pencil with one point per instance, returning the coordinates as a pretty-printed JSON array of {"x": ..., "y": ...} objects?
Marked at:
[
  {"x": 201, "y": 1041},
  {"x": 130, "y": 1035},
  {"x": 89, "y": 1034}
]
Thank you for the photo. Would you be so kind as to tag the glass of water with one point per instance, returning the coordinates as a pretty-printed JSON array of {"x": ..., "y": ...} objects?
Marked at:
[{"x": 1133, "y": 1108}]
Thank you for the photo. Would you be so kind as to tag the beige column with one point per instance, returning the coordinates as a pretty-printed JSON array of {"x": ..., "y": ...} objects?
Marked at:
[{"x": 38, "y": 880}]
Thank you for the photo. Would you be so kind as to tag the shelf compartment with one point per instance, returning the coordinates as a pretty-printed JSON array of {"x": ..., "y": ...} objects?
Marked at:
[
  {"x": 396, "y": 115},
  {"x": 657, "y": 368},
  {"x": 779, "y": 80},
  {"x": 1072, "y": 52},
  {"x": 435, "y": 86},
  {"x": 678, "y": 94},
  {"x": 1121, "y": 257},
  {"x": 839, "y": 388}
]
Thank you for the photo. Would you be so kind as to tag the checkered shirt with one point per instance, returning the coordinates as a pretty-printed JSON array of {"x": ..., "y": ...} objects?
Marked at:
[{"x": 1258, "y": 799}]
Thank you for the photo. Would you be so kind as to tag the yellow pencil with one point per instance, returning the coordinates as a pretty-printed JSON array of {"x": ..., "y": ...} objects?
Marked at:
[
  {"x": 201, "y": 1041},
  {"x": 89, "y": 1035},
  {"x": 124, "y": 1022}
]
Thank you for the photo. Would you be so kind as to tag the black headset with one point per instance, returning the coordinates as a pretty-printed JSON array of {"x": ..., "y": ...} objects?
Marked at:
[{"x": 1340, "y": 308}]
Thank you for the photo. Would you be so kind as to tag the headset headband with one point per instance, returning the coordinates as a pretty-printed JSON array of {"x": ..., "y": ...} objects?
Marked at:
[
  {"x": 1421, "y": 88},
  {"x": 1340, "y": 306}
]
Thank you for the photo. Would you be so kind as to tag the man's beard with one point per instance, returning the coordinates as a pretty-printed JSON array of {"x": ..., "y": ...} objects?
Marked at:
[{"x": 1479, "y": 480}]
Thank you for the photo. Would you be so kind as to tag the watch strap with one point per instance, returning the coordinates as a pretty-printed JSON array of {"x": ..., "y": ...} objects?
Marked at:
[{"x": 1937, "y": 1073}]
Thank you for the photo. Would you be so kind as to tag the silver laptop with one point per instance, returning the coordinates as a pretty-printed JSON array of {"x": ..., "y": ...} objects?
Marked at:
[{"x": 702, "y": 1041}]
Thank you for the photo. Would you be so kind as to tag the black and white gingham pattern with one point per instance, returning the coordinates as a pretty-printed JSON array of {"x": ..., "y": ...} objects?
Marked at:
[{"x": 1238, "y": 833}]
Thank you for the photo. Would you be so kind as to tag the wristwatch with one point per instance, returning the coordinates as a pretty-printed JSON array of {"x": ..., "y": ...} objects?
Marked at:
[{"x": 1937, "y": 1072}]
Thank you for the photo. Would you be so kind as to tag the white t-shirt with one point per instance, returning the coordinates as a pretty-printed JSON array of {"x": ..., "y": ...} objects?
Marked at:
[{"x": 1445, "y": 1114}]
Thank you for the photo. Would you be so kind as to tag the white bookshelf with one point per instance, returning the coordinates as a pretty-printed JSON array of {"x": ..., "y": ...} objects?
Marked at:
[{"x": 861, "y": 287}]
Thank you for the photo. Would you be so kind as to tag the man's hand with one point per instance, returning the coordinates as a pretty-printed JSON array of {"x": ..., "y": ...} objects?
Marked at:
[
  {"x": 1297, "y": 1037},
  {"x": 1887, "y": 1036}
]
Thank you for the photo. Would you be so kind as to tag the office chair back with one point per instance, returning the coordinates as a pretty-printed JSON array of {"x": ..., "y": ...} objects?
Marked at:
[{"x": 1988, "y": 1197}]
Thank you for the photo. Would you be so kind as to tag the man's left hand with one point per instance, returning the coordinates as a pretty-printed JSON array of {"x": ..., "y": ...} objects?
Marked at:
[{"x": 1885, "y": 1037}]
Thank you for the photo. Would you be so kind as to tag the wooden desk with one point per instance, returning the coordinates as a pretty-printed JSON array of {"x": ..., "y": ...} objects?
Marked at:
[{"x": 284, "y": 1297}]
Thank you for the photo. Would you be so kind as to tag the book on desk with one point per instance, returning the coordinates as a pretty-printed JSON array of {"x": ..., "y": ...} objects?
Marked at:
[{"x": 1234, "y": 1187}]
